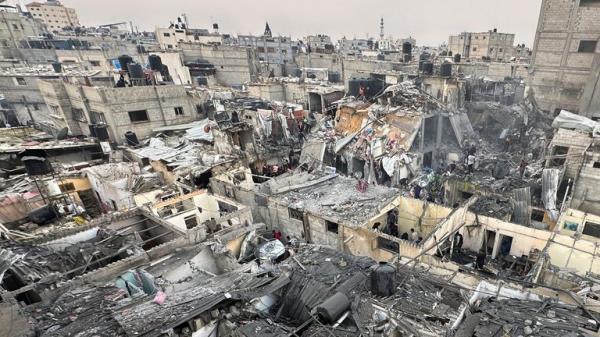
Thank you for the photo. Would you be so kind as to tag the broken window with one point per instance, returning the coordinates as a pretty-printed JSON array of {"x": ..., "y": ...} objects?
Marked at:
[
  {"x": 295, "y": 214},
  {"x": 591, "y": 229},
  {"x": 138, "y": 116},
  {"x": 332, "y": 226},
  {"x": 97, "y": 118},
  {"x": 587, "y": 46},
  {"x": 597, "y": 164},
  {"x": 67, "y": 187},
  {"x": 178, "y": 111},
  {"x": 389, "y": 245},
  {"x": 537, "y": 215},
  {"x": 559, "y": 156},
  {"x": 166, "y": 34},
  {"x": 474, "y": 48},
  {"x": 20, "y": 81},
  {"x": 78, "y": 115},
  {"x": 190, "y": 221},
  {"x": 589, "y": 3},
  {"x": 95, "y": 63}
]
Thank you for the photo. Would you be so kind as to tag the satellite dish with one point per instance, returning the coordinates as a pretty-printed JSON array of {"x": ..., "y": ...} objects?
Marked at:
[{"x": 62, "y": 134}]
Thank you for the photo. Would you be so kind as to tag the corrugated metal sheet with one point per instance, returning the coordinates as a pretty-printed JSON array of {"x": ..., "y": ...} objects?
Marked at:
[
  {"x": 551, "y": 177},
  {"x": 522, "y": 199},
  {"x": 462, "y": 126}
]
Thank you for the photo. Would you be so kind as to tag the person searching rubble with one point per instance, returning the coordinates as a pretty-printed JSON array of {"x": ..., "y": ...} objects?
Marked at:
[
  {"x": 414, "y": 237},
  {"x": 522, "y": 167},
  {"x": 471, "y": 163}
]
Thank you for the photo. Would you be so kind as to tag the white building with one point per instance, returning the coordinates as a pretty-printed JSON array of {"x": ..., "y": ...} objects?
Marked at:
[
  {"x": 169, "y": 38},
  {"x": 54, "y": 15}
]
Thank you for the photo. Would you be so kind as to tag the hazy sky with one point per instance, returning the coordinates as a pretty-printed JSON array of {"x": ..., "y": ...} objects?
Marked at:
[{"x": 429, "y": 21}]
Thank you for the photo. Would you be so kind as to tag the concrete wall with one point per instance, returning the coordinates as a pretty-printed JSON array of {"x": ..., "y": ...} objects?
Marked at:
[
  {"x": 559, "y": 70},
  {"x": 114, "y": 104},
  {"x": 234, "y": 65}
]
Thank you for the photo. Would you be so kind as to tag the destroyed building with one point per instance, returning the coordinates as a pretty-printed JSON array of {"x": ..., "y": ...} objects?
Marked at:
[{"x": 565, "y": 51}]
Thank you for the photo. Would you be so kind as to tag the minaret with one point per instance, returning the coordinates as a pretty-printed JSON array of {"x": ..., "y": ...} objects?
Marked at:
[
  {"x": 381, "y": 33},
  {"x": 268, "y": 31}
]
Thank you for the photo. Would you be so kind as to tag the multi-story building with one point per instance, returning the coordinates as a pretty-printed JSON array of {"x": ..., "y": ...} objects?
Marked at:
[
  {"x": 169, "y": 38},
  {"x": 350, "y": 46},
  {"x": 16, "y": 27},
  {"x": 490, "y": 45},
  {"x": 565, "y": 51},
  {"x": 54, "y": 15},
  {"x": 22, "y": 100},
  {"x": 319, "y": 44},
  {"x": 138, "y": 109}
]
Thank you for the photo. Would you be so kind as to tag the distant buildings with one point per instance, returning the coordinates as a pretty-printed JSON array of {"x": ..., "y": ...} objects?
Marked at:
[
  {"x": 565, "y": 50},
  {"x": 54, "y": 15},
  {"x": 169, "y": 38},
  {"x": 490, "y": 45}
]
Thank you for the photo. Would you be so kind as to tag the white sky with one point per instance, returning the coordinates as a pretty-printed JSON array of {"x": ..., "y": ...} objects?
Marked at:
[{"x": 429, "y": 21}]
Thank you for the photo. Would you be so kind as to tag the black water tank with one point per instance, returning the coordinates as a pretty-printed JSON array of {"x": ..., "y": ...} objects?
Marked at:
[
  {"x": 99, "y": 131},
  {"x": 155, "y": 62},
  {"x": 334, "y": 77},
  {"x": 202, "y": 80},
  {"x": 124, "y": 60},
  {"x": 43, "y": 215},
  {"x": 131, "y": 138},
  {"x": 135, "y": 71},
  {"x": 353, "y": 86},
  {"x": 165, "y": 73},
  {"x": 427, "y": 68},
  {"x": 333, "y": 308},
  {"x": 57, "y": 67},
  {"x": 446, "y": 69},
  {"x": 457, "y": 58},
  {"x": 383, "y": 279},
  {"x": 380, "y": 57},
  {"x": 36, "y": 162},
  {"x": 406, "y": 48}
]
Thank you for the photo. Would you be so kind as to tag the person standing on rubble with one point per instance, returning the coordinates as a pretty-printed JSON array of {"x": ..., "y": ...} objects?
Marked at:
[
  {"x": 507, "y": 143},
  {"x": 414, "y": 237},
  {"x": 471, "y": 163},
  {"x": 522, "y": 167}
]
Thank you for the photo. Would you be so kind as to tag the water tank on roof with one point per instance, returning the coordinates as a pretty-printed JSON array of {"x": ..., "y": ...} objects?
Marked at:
[
  {"x": 457, "y": 58},
  {"x": 131, "y": 139},
  {"x": 136, "y": 72},
  {"x": 383, "y": 279},
  {"x": 202, "y": 80},
  {"x": 155, "y": 62},
  {"x": 124, "y": 60},
  {"x": 406, "y": 48},
  {"x": 333, "y": 308},
  {"x": 165, "y": 73},
  {"x": 446, "y": 69},
  {"x": 57, "y": 66},
  {"x": 99, "y": 131},
  {"x": 43, "y": 215},
  {"x": 407, "y": 58},
  {"x": 36, "y": 162},
  {"x": 427, "y": 68},
  {"x": 380, "y": 57},
  {"x": 334, "y": 77}
]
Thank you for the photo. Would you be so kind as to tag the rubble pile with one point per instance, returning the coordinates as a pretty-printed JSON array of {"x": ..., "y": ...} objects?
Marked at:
[{"x": 526, "y": 318}]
